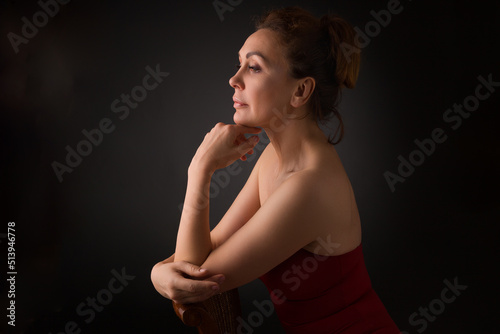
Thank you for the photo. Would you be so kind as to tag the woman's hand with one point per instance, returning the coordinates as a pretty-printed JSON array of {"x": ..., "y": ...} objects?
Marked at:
[
  {"x": 223, "y": 145},
  {"x": 184, "y": 282}
]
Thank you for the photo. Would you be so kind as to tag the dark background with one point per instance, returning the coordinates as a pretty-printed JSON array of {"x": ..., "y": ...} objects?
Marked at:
[{"x": 120, "y": 207}]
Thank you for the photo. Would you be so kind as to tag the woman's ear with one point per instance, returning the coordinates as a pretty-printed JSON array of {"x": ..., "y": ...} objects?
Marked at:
[{"x": 303, "y": 91}]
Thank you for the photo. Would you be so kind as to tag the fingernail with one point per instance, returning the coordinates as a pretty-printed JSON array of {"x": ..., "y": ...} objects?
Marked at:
[
  {"x": 202, "y": 270},
  {"x": 222, "y": 279},
  {"x": 255, "y": 139},
  {"x": 215, "y": 287}
]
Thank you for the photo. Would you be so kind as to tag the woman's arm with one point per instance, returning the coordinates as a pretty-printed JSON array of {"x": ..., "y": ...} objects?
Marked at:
[
  {"x": 193, "y": 237},
  {"x": 184, "y": 282},
  {"x": 302, "y": 208},
  {"x": 244, "y": 206},
  {"x": 295, "y": 214},
  {"x": 221, "y": 147}
]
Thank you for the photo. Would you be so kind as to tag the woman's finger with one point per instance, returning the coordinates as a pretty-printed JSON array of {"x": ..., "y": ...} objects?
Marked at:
[
  {"x": 216, "y": 278},
  {"x": 203, "y": 290},
  {"x": 191, "y": 269},
  {"x": 248, "y": 144},
  {"x": 191, "y": 291}
]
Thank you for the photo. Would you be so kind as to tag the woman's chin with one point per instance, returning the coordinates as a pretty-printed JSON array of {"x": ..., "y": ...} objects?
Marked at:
[
  {"x": 241, "y": 119},
  {"x": 244, "y": 118}
]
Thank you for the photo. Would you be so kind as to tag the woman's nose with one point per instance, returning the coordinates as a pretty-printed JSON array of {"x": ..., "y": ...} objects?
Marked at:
[{"x": 236, "y": 82}]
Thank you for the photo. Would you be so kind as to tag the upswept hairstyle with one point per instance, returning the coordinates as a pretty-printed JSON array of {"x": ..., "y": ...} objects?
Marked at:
[{"x": 318, "y": 48}]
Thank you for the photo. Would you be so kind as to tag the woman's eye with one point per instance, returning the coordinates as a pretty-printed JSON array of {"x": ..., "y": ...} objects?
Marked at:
[{"x": 252, "y": 68}]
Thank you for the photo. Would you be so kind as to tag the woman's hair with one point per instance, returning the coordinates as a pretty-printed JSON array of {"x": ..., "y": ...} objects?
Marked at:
[{"x": 321, "y": 49}]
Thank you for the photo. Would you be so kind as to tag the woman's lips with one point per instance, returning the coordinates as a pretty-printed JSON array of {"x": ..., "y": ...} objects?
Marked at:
[{"x": 238, "y": 103}]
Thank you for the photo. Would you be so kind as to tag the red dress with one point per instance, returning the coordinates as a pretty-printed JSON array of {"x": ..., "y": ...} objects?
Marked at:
[{"x": 317, "y": 294}]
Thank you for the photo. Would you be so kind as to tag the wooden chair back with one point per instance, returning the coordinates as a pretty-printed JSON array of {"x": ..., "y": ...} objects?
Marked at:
[{"x": 216, "y": 315}]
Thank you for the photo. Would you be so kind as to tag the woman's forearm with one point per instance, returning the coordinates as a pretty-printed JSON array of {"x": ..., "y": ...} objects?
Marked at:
[
  {"x": 193, "y": 238},
  {"x": 223, "y": 145}
]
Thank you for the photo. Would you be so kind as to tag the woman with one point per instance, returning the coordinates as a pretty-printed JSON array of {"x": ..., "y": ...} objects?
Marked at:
[{"x": 295, "y": 223}]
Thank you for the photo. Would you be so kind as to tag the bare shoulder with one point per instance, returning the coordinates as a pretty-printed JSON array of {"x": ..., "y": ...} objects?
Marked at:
[
  {"x": 325, "y": 187},
  {"x": 326, "y": 175},
  {"x": 336, "y": 217}
]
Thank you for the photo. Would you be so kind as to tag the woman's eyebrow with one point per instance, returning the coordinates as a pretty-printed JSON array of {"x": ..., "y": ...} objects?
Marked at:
[{"x": 255, "y": 53}]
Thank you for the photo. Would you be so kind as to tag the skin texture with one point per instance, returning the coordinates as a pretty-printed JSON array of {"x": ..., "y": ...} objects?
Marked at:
[{"x": 297, "y": 194}]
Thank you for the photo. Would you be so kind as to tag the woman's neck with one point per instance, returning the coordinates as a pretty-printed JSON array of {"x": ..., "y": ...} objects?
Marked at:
[{"x": 293, "y": 142}]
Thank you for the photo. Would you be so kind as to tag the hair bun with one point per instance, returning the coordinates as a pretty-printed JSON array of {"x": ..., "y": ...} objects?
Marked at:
[{"x": 344, "y": 50}]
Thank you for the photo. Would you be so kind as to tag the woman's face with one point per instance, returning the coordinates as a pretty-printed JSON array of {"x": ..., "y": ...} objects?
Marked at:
[{"x": 262, "y": 86}]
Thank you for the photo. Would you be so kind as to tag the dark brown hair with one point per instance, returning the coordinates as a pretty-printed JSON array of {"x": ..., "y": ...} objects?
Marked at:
[{"x": 317, "y": 48}]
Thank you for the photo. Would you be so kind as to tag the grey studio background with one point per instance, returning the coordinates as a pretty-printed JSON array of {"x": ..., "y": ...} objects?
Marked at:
[{"x": 424, "y": 169}]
